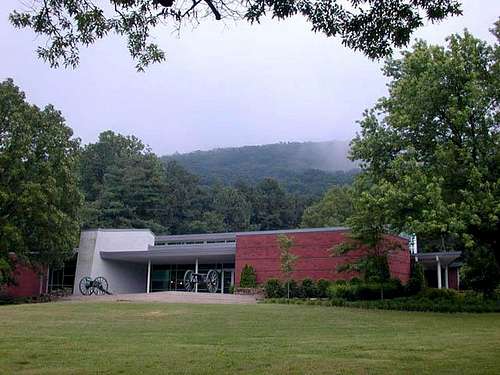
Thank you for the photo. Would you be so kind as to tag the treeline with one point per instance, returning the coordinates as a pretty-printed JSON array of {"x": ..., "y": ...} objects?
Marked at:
[
  {"x": 125, "y": 185},
  {"x": 307, "y": 169}
]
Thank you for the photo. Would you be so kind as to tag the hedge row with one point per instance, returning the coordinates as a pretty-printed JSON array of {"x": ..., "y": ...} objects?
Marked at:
[
  {"x": 274, "y": 288},
  {"x": 431, "y": 300}
]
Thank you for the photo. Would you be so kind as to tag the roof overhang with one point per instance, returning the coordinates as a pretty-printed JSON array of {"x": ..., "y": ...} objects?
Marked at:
[
  {"x": 430, "y": 260},
  {"x": 177, "y": 254}
]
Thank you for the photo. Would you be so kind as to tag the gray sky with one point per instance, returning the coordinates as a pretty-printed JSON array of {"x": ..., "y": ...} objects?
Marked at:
[{"x": 222, "y": 85}]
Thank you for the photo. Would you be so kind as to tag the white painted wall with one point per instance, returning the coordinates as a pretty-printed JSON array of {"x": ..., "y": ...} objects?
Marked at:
[{"x": 123, "y": 277}]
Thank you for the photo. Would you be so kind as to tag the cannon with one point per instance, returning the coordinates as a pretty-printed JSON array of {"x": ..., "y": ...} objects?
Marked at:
[
  {"x": 210, "y": 279},
  {"x": 98, "y": 286}
]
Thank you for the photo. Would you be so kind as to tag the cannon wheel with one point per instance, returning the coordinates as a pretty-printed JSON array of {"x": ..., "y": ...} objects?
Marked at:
[
  {"x": 85, "y": 286},
  {"x": 100, "y": 286},
  {"x": 212, "y": 281},
  {"x": 188, "y": 281}
]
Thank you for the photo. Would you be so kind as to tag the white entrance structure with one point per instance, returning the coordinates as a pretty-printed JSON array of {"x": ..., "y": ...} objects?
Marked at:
[{"x": 126, "y": 258}]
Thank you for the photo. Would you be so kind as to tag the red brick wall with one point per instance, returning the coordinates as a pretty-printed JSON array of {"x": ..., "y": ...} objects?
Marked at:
[
  {"x": 315, "y": 260},
  {"x": 28, "y": 282}
]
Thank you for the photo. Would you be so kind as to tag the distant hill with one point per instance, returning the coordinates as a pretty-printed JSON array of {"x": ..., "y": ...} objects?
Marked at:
[{"x": 306, "y": 168}]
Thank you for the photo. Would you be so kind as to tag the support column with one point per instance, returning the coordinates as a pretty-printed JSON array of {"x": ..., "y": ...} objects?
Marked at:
[
  {"x": 458, "y": 278},
  {"x": 222, "y": 278},
  {"x": 149, "y": 276},
  {"x": 439, "y": 273},
  {"x": 446, "y": 285},
  {"x": 196, "y": 271}
]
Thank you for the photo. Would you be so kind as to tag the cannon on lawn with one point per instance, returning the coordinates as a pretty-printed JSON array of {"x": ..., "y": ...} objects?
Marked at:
[
  {"x": 98, "y": 286},
  {"x": 210, "y": 279}
]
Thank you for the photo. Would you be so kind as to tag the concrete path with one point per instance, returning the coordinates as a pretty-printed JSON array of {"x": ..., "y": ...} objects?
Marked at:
[{"x": 168, "y": 297}]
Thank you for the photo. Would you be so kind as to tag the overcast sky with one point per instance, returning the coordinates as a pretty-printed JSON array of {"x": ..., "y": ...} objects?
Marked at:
[{"x": 222, "y": 85}]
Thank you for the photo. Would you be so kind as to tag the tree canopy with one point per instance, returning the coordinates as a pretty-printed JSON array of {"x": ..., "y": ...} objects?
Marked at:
[
  {"x": 372, "y": 27},
  {"x": 332, "y": 210},
  {"x": 430, "y": 150},
  {"x": 39, "y": 196},
  {"x": 126, "y": 185}
]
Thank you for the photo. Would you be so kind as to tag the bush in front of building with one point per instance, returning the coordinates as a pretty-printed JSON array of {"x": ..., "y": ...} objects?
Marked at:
[
  {"x": 357, "y": 290},
  {"x": 416, "y": 283},
  {"x": 248, "y": 277},
  {"x": 468, "y": 302},
  {"x": 273, "y": 288},
  {"x": 309, "y": 288},
  {"x": 322, "y": 288}
]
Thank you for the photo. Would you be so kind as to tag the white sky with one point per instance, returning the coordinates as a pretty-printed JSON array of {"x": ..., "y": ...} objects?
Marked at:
[{"x": 221, "y": 85}]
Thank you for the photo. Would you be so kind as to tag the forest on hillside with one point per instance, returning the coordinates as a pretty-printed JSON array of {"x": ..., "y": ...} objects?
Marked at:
[
  {"x": 307, "y": 169},
  {"x": 125, "y": 185}
]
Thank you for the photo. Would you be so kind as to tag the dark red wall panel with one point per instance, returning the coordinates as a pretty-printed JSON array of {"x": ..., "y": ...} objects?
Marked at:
[
  {"x": 27, "y": 282},
  {"x": 314, "y": 252}
]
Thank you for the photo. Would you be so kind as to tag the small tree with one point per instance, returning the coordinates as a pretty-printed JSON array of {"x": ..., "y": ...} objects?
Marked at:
[
  {"x": 417, "y": 279},
  {"x": 248, "y": 277},
  {"x": 287, "y": 259}
]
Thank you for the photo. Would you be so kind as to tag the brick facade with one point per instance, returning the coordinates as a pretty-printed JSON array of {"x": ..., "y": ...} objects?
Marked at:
[
  {"x": 29, "y": 282},
  {"x": 315, "y": 259}
]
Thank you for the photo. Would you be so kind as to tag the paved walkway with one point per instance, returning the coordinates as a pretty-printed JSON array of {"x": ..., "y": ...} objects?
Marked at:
[{"x": 169, "y": 297}]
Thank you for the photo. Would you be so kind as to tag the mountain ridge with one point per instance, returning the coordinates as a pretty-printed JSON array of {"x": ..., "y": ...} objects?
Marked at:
[{"x": 301, "y": 167}]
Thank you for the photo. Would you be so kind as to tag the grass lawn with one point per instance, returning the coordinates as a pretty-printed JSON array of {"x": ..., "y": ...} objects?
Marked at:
[{"x": 133, "y": 338}]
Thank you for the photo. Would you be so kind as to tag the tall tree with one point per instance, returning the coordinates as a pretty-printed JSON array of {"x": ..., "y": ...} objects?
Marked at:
[
  {"x": 234, "y": 208},
  {"x": 124, "y": 184},
  {"x": 430, "y": 150},
  {"x": 372, "y": 27},
  {"x": 273, "y": 208},
  {"x": 332, "y": 210},
  {"x": 39, "y": 196}
]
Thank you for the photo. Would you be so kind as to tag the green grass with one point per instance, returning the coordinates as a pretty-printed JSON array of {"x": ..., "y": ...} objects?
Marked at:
[{"x": 133, "y": 338}]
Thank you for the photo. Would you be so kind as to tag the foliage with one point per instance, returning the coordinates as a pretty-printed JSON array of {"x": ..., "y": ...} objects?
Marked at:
[
  {"x": 365, "y": 290},
  {"x": 332, "y": 210},
  {"x": 416, "y": 283},
  {"x": 287, "y": 259},
  {"x": 430, "y": 150},
  {"x": 273, "y": 288},
  {"x": 248, "y": 277},
  {"x": 371, "y": 27},
  {"x": 322, "y": 287},
  {"x": 309, "y": 288},
  {"x": 306, "y": 169},
  {"x": 481, "y": 271},
  {"x": 39, "y": 197},
  {"x": 126, "y": 185},
  {"x": 463, "y": 304}
]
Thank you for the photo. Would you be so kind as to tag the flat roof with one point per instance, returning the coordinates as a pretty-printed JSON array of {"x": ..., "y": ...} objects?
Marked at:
[{"x": 228, "y": 236}]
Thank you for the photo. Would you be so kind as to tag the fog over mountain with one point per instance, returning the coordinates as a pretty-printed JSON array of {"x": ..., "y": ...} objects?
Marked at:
[{"x": 306, "y": 168}]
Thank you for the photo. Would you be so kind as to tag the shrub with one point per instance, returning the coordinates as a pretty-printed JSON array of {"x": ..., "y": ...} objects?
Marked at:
[
  {"x": 322, "y": 287},
  {"x": 296, "y": 290},
  {"x": 309, "y": 288},
  {"x": 434, "y": 294},
  {"x": 343, "y": 291},
  {"x": 248, "y": 277},
  {"x": 365, "y": 291},
  {"x": 274, "y": 289},
  {"x": 475, "y": 304},
  {"x": 417, "y": 280}
]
